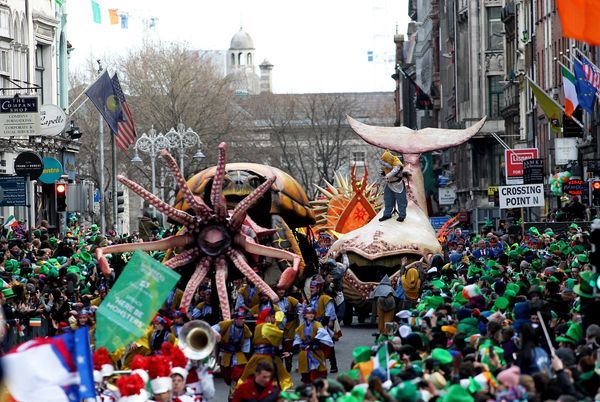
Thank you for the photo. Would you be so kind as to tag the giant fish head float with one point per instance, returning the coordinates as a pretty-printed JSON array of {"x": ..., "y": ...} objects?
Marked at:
[{"x": 378, "y": 248}]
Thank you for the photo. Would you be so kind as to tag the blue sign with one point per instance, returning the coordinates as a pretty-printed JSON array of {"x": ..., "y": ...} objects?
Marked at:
[
  {"x": 69, "y": 166},
  {"x": 52, "y": 170},
  {"x": 438, "y": 221},
  {"x": 96, "y": 196},
  {"x": 12, "y": 191}
]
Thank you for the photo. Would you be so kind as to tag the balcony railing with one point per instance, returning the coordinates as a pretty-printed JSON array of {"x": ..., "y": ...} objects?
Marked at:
[{"x": 511, "y": 99}]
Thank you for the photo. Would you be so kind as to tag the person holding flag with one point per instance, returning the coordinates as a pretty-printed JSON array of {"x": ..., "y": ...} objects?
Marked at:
[{"x": 311, "y": 341}]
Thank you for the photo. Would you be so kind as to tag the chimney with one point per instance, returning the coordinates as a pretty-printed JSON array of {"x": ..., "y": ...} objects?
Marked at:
[{"x": 265, "y": 77}]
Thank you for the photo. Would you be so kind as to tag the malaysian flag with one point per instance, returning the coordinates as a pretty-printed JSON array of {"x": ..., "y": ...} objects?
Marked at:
[{"x": 125, "y": 135}]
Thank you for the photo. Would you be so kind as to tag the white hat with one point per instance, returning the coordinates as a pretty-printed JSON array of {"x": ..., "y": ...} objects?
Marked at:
[
  {"x": 181, "y": 371},
  {"x": 142, "y": 373},
  {"x": 403, "y": 314},
  {"x": 161, "y": 384},
  {"x": 107, "y": 370},
  {"x": 97, "y": 376},
  {"x": 405, "y": 331}
]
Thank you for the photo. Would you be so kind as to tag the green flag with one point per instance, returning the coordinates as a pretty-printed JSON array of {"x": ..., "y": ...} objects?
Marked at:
[
  {"x": 97, "y": 15},
  {"x": 133, "y": 300},
  {"x": 551, "y": 109}
]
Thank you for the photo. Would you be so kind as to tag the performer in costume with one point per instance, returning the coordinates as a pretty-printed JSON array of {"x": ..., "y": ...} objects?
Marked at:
[
  {"x": 234, "y": 340},
  {"x": 324, "y": 307},
  {"x": 291, "y": 307},
  {"x": 247, "y": 296},
  {"x": 265, "y": 303},
  {"x": 267, "y": 343},
  {"x": 311, "y": 340},
  {"x": 204, "y": 310},
  {"x": 160, "y": 334},
  {"x": 394, "y": 194}
]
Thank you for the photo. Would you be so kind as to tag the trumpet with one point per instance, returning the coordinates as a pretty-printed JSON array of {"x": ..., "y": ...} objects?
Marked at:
[{"x": 198, "y": 342}]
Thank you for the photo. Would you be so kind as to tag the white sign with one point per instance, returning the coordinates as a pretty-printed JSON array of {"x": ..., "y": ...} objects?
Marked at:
[
  {"x": 447, "y": 195},
  {"x": 19, "y": 116},
  {"x": 565, "y": 150},
  {"x": 523, "y": 196},
  {"x": 53, "y": 120}
]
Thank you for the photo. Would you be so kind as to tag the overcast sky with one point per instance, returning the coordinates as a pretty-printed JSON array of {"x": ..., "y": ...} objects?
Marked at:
[{"x": 315, "y": 45}]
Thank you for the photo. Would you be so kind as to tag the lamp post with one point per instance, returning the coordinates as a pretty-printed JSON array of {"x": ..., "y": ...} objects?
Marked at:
[
  {"x": 183, "y": 139},
  {"x": 151, "y": 144}
]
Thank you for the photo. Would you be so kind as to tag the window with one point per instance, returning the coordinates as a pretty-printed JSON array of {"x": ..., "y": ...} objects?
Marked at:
[
  {"x": 4, "y": 23},
  {"x": 495, "y": 28},
  {"x": 39, "y": 67},
  {"x": 249, "y": 59},
  {"x": 496, "y": 99},
  {"x": 4, "y": 61},
  {"x": 359, "y": 158},
  {"x": 232, "y": 59}
]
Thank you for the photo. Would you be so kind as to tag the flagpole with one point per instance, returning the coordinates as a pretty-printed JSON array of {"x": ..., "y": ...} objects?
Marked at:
[
  {"x": 101, "y": 167},
  {"x": 83, "y": 93},
  {"x": 531, "y": 82},
  {"x": 114, "y": 180}
]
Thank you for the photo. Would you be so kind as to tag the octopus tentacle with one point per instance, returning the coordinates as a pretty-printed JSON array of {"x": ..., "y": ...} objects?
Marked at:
[
  {"x": 216, "y": 193},
  {"x": 241, "y": 209},
  {"x": 221, "y": 282},
  {"x": 240, "y": 262},
  {"x": 164, "y": 244},
  {"x": 289, "y": 275},
  {"x": 195, "y": 203},
  {"x": 179, "y": 216},
  {"x": 197, "y": 277},
  {"x": 184, "y": 258}
]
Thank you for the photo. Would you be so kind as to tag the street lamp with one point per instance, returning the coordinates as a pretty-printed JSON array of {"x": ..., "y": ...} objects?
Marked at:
[
  {"x": 151, "y": 144},
  {"x": 183, "y": 139}
]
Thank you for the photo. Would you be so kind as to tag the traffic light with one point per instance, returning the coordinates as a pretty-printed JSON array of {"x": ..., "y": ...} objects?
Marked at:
[
  {"x": 595, "y": 192},
  {"x": 120, "y": 201},
  {"x": 60, "y": 192}
]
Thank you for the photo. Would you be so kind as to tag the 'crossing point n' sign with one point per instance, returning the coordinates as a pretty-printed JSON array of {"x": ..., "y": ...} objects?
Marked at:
[{"x": 523, "y": 196}]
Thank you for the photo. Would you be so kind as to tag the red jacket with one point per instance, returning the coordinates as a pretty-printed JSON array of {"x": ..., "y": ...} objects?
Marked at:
[{"x": 247, "y": 392}]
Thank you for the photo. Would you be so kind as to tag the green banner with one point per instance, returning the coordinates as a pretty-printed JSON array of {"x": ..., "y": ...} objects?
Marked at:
[{"x": 132, "y": 301}]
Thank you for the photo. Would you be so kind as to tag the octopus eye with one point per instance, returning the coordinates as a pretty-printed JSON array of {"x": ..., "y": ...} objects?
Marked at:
[{"x": 214, "y": 240}]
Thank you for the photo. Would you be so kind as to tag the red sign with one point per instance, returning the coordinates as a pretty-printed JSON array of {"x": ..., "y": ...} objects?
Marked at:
[{"x": 514, "y": 163}]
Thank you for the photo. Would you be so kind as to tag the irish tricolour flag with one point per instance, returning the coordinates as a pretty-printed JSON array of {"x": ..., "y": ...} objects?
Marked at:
[{"x": 571, "y": 101}]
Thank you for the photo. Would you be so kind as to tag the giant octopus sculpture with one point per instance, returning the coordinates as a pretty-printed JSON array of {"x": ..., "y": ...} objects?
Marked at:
[
  {"x": 379, "y": 248},
  {"x": 211, "y": 237}
]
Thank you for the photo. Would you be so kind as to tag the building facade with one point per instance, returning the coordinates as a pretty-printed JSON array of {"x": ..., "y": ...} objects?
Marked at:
[{"x": 33, "y": 59}]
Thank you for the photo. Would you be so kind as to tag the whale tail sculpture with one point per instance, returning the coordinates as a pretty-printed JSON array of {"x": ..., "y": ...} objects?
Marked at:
[{"x": 382, "y": 245}]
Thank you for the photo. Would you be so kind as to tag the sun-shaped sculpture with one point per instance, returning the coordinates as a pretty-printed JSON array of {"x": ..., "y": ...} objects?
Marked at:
[
  {"x": 211, "y": 237},
  {"x": 348, "y": 204}
]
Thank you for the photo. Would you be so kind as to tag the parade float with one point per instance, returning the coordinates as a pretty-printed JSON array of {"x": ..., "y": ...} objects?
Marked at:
[
  {"x": 221, "y": 212},
  {"x": 379, "y": 248}
]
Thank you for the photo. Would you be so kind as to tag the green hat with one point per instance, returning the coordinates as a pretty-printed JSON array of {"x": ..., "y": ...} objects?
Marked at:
[
  {"x": 8, "y": 293},
  {"x": 491, "y": 264},
  {"x": 94, "y": 228},
  {"x": 534, "y": 231},
  {"x": 468, "y": 326},
  {"x": 11, "y": 265},
  {"x": 73, "y": 268},
  {"x": 574, "y": 334},
  {"x": 54, "y": 262},
  {"x": 359, "y": 393},
  {"x": 434, "y": 301},
  {"x": 53, "y": 240},
  {"x": 456, "y": 393},
  {"x": 361, "y": 354},
  {"x": 405, "y": 392},
  {"x": 513, "y": 254},
  {"x": 582, "y": 259},
  {"x": 61, "y": 260},
  {"x": 441, "y": 355},
  {"x": 510, "y": 295},
  {"x": 501, "y": 303},
  {"x": 438, "y": 283},
  {"x": 52, "y": 273},
  {"x": 512, "y": 287},
  {"x": 573, "y": 226},
  {"x": 570, "y": 283},
  {"x": 549, "y": 232},
  {"x": 584, "y": 288},
  {"x": 578, "y": 249},
  {"x": 85, "y": 256}
]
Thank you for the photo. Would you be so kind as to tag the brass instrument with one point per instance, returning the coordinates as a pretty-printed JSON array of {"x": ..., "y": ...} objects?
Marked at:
[{"x": 198, "y": 342}]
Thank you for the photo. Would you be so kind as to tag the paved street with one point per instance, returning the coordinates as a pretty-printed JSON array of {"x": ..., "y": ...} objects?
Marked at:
[{"x": 357, "y": 335}]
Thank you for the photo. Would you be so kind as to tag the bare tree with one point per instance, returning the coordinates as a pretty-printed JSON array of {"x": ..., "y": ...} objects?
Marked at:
[{"x": 308, "y": 132}]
